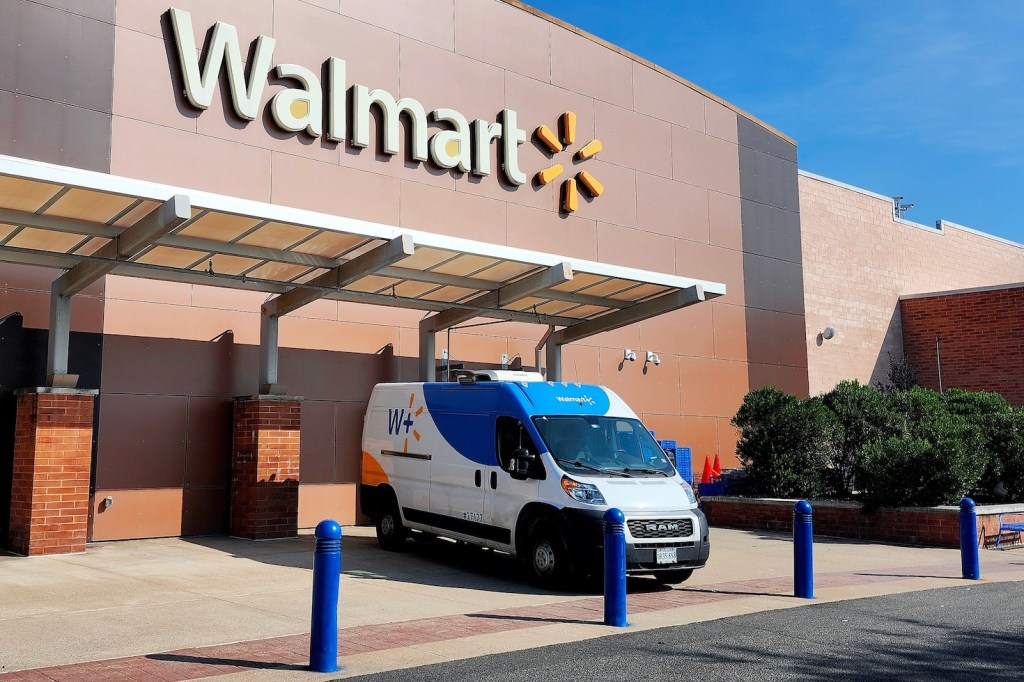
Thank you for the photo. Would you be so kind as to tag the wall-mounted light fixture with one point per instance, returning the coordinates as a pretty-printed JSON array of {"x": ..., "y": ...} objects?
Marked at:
[
  {"x": 828, "y": 332},
  {"x": 628, "y": 355},
  {"x": 652, "y": 357}
]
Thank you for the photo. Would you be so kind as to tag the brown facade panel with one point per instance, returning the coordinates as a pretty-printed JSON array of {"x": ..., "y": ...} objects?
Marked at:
[
  {"x": 57, "y": 55},
  {"x": 143, "y": 364},
  {"x": 317, "y": 464},
  {"x": 141, "y": 441},
  {"x": 148, "y": 513},
  {"x": 208, "y": 442},
  {"x": 48, "y": 131},
  {"x": 323, "y": 375},
  {"x": 56, "y": 89},
  {"x": 204, "y": 511},
  {"x": 328, "y": 501},
  {"x": 348, "y": 456}
]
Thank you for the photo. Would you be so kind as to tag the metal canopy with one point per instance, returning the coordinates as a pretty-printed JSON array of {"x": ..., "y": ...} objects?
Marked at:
[{"x": 91, "y": 224}]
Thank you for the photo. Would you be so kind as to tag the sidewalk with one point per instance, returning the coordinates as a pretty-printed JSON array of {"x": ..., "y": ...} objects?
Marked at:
[{"x": 181, "y": 609}]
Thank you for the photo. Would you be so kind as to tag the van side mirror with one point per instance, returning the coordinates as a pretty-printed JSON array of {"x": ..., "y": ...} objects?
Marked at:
[{"x": 521, "y": 463}]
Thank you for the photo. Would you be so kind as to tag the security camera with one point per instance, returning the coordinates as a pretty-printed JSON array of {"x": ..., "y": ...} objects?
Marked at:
[
  {"x": 629, "y": 355},
  {"x": 828, "y": 332},
  {"x": 653, "y": 357}
]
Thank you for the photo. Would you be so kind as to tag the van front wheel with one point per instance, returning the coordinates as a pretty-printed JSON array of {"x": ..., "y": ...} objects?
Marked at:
[
  {"x": 548, "y": 558},
  {"x": 391, "y": 532}
]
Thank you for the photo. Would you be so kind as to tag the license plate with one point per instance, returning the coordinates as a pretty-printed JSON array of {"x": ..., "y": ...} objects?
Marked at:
[{"x": 665, "y": 555}]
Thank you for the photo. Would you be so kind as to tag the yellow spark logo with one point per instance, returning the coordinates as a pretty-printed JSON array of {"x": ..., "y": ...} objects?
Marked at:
[
  {"x": 570, "y": 191},
  {"x": 408, "y": 423},
  {"x": 398, "y": 419}
]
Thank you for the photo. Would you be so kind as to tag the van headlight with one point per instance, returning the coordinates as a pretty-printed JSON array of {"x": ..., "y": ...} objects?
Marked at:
[
  {"x": 586, "y": 493},
  {"x": 688, "y": 491}
]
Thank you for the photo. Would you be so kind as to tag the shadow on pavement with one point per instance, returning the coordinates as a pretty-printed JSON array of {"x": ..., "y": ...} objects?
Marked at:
[
  {"x": 531, "y": 619},
  {"x": 911, "y": 575},
  {"x": 436, "y": 562},
  {"x": 238, "y": 663},
  {"x": 744, "y": 593}
]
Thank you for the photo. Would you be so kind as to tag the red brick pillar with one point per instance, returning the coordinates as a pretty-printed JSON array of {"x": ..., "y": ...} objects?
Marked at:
[
  {"x": 52, "y": 460},
  {"x": 265, "y": 467}
]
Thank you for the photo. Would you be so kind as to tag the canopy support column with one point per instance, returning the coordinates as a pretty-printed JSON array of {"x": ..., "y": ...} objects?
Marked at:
[
  {"x": 428, "y": 350},
  {"x": 268, "y": 355},
  {"x": 59, "y": 340},
  {"x": 122, "y": 248},
  {"x": 553, "y": 351}
]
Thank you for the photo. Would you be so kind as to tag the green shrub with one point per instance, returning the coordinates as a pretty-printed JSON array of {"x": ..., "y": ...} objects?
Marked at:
[
  {"x": 785, "y": 443},
  {"x": 993, "y": 416},
  {"x": 864, "y": 416},
  {"x": 1004, "y": 477},
  {"x": 933, "y": 456}
]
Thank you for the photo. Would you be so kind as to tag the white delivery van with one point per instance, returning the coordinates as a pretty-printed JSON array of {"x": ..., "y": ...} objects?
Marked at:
[{"x": 509, "y": 461}]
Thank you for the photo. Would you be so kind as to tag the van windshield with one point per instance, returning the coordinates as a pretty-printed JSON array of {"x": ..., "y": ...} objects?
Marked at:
[{"x": 612, "y": 446}]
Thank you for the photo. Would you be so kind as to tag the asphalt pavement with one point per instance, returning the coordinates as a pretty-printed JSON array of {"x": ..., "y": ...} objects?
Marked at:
[{"x": 973, "y": 632}]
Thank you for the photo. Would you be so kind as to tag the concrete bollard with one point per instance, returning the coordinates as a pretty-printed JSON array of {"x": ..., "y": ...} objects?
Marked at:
[
  {"x": 969, "y": 561},
  {"x": 615, "y": 568},
  {"x": 803, "y": 551},
  {"x": 323, "y": 635}
]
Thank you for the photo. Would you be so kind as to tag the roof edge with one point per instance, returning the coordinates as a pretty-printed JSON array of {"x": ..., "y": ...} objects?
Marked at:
[
  {"x": 646, "y": 62},
  {"x": 941, "y": 225},
  {"x": 969, "y": 290}
]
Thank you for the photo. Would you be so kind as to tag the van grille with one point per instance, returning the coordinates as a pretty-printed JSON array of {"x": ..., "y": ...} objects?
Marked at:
[{"x": 660, "y": 528}]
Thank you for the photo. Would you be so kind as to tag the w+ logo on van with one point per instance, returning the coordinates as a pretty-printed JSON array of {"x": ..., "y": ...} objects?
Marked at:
[{"x": 399, "y": 417}]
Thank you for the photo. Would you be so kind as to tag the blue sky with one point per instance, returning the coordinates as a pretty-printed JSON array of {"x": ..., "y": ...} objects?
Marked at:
[{"x": 919, "y": 98}]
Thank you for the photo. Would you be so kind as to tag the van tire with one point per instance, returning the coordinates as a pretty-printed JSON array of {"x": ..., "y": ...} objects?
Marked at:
[
  {"x": 548, "y": 558},
  {"x": 673, "y": 577},
  {"x": 391, "y": 532}
]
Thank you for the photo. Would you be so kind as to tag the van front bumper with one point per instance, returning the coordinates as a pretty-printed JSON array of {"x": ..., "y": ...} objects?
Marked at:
[{"x": 583, "y": 531}]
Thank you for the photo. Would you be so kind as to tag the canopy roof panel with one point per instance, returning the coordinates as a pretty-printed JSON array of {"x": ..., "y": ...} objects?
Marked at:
[{"x": 60, "y": 217}]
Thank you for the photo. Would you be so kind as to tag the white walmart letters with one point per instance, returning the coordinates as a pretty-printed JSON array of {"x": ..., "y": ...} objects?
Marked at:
[{"x": 463, "y": 146}]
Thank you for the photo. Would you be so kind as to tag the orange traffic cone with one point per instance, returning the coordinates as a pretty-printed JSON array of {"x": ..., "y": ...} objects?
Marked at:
[
  {"x": 716, "y": 468},
  {"x": 705, "y": 476}
]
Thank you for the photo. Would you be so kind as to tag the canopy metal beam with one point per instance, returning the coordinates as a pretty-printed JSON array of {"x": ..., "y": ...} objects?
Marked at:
[
  {"x": 337, "y": 278},
  {"x": 614, "y": 320},
  {"x": 341, "y": 276},
  {"x": 48, "y": 222},
  {"x": 520, "y": 289},
  {"x": 129, "y": 243}
]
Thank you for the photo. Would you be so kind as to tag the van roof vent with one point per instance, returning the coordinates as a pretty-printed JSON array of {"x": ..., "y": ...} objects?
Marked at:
[{"x": 507, "y": 375}]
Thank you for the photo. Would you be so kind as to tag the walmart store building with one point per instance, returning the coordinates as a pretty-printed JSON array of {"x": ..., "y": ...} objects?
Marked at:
[{"x": 222, "y": 223}]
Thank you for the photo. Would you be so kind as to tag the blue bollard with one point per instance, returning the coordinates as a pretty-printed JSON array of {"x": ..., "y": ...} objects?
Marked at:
[
  {"x": 615, "y": 568},
  {"x": 323, "y": 635},
  {"x": 803, "y": 551},
  {"x": 969, "y": 561}
]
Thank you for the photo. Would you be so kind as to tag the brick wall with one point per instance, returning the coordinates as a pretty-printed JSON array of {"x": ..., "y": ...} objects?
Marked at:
[
  {"x": 934, "y": 526},
  {"x": 858, "y": 261},
  {"x": 50, "y": 485},
  {"x": 981, "y": 340},
  {"x": 265, "y": 467}
]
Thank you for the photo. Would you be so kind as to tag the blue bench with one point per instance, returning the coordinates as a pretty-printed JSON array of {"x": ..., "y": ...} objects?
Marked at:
[{"x": 1008, "y": 527}]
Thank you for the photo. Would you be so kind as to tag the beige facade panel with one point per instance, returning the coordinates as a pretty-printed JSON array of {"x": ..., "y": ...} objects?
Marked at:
[{"x": 848, "y": 232}]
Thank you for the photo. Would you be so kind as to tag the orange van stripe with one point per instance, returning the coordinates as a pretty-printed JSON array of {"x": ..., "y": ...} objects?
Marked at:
[{"x": 373, "y": 472}]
